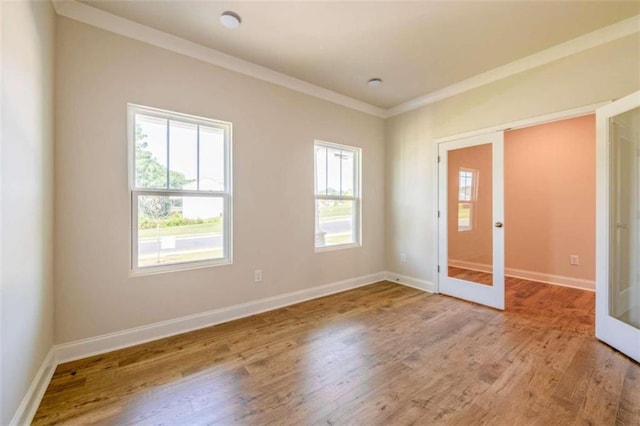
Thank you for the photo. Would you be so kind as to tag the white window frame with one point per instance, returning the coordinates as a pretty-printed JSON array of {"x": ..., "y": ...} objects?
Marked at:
[
  {"x": 225, "y": 194},
  {"x": 356, "y": 198}
]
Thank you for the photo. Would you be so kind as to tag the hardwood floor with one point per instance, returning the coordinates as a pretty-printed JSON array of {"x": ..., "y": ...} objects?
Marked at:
[{"x": 381, "y": 354}]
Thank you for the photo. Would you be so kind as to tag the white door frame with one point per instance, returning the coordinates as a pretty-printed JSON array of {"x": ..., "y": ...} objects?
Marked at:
[
  {"x": 519, "y": 124},
  {"x": 610, "y": 330}
]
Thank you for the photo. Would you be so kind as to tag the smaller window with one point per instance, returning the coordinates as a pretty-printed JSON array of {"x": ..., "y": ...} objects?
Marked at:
[
  {"x": 467, "y": 197},
  {"x": 180, "y": 190},
  {"x": 337, "y": 195}
]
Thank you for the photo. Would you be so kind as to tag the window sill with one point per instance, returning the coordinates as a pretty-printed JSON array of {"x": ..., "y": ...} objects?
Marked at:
[
  {"x": 178, "y": 267},
  {"x": 337, "y": 247}
]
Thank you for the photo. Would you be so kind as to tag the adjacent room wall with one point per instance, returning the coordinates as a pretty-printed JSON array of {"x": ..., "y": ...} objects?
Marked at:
[
  {"x": 26, "y": 201},
  {"x": 473, "y": 247},
  {"x": 604, "y": 73},
  {"x": 550, "y": 200},
  {"x": 274, "y": 129}
]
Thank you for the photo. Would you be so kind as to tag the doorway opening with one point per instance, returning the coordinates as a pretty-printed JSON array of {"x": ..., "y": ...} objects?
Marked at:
[{"x": 548, "y": 224}]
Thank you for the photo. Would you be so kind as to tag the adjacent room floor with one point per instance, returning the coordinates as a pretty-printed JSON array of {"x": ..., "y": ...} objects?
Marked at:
[{"x": 380, "y": 354}]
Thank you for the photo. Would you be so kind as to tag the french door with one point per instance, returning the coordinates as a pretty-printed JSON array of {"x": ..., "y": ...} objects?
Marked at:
[
  {"x": 618, "y": 225},
  {"x": 470, "y": 219}
]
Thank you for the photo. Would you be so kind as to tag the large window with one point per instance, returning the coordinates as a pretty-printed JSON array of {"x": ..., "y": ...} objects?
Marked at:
[
  {"x": 337, "y": 195},
  {"x": 180, "y": 190}
]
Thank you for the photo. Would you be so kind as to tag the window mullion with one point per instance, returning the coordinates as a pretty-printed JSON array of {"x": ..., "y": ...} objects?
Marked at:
[
  {"x": 335, "y": 197},
  {"x": 340, "y": 170},
  {"x": 198, "y": 157},
  {"x": 326, "y": 170},
  {"x": 180, "y": 192},
  {"x": 168, "y": 153}
]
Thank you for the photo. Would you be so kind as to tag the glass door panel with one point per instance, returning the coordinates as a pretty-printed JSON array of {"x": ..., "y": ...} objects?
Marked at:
[
  {"x": 470, "y": 214},
  {"x": 618, "y": 225},
  {"x": 470, "y": 204},
  {"x": 624, "y": 285}
]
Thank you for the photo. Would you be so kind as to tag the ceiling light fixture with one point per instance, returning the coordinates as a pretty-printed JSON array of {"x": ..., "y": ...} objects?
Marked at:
[
  {"x": 374, "y": 82},
  {"x": 230, "y": 19}
]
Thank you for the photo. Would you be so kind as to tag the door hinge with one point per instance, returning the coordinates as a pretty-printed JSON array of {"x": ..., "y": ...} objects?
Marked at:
[
  {"x": 438, "y": 268},
  {"x": 438, "y": 213},
  {"x": 438, "y": 158}
]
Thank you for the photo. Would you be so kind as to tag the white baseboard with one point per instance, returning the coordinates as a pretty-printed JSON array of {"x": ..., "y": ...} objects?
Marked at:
[
  {"x": 411, "y": 282},
  {"x": 529, "y": 275},
  {"x": 552, "y": 279},
  {"x": 121, "y": 339},
  {"x": 472, "y": 266},
  {"x": 31, "y": 401}
]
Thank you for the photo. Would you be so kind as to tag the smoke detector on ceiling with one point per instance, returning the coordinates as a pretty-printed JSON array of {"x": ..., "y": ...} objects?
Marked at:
[
  {"x": 374, "y": 82},
  {"x": 230, "y": 19}
]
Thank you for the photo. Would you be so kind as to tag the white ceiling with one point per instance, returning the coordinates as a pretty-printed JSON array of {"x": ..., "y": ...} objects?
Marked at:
[{"x": 415, "y": 47}]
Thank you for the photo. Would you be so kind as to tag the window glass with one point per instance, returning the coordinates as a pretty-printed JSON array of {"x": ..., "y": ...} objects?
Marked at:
[
  {"x": 183, "y": 155},
  {"x": 348, "y": 173},
  {"x": 333, "y": 171},
  {"x": 337, "y": 221},
  {"x": 321, "y": 170},
  {"x": 179, "y": 229},
  {"x": 150, "y": 152},
  {"x": 212, "y": 169}
]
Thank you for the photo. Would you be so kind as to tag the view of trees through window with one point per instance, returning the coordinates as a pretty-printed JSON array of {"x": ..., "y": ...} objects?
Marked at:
[{"x": 179, "y": 191}]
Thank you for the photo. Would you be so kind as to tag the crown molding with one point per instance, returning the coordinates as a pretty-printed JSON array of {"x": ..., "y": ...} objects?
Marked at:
[
  {"x": 90, "y": 15},
  {"x": 590, "y": 40}
]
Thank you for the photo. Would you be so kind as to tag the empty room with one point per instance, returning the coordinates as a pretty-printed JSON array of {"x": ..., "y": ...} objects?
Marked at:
[{"x": 319, "y": 212}]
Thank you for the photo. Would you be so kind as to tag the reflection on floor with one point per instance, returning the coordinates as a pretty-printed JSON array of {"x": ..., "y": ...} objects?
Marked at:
[
  {"x": 470, "y": 275},
  {"x": 381, "y": 354}
]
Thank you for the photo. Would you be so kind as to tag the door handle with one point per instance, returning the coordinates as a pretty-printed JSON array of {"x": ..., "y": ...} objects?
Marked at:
[{"x": 498, "y": 225}]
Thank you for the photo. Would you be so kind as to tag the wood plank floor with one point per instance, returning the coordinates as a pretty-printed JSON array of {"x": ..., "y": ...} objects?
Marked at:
[{"x": 382, "y": 354}]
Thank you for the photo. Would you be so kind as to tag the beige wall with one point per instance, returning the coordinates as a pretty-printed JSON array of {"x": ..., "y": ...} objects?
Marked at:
[
  {"x": 600, "y": 74},
  {"x": 550, "y": 198},
  {"x": 26, "y": 197},
  {"x": 274, "y": 130}
]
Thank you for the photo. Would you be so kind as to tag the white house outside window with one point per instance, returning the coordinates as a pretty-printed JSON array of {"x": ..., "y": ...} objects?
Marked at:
[
  {"x": 337, "y": 195},
  {"x": 180, "y": 190}
]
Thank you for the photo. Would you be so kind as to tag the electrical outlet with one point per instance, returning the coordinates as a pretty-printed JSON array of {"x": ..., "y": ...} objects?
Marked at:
[
  {"x": 574, "y": 259},
  {"x": 403, "y": 257},
  {"x": 257, "y": 276}
]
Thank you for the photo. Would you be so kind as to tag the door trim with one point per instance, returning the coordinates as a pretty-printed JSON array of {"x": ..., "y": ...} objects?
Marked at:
[
  {"x": 528, "y": 122},
  {"x": 608, "y": 329}
]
